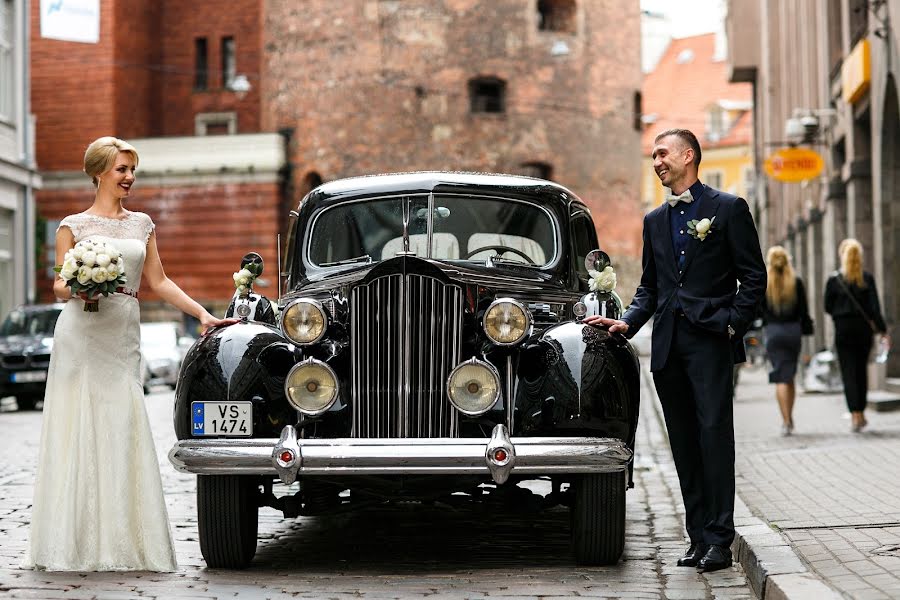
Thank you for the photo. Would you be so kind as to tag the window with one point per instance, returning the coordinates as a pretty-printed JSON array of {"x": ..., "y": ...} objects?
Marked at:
[
  {"x": 229, "y": 67},
  {"x": 556, "y": 15},
  {"x": 7, "y": 66},
  {"x": 487, "y": 95},
  {"x": 637, "y": 111},
  {"x": 201, "y": 66},
  {"x": 713, "y": 179},
  {"x": 223, "y": 123},
  {"x": 540, "y": 170},
  {"x": 715, "y": 123}
]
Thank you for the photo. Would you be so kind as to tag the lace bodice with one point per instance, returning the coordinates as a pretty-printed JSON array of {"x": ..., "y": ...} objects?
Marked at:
[
  {"x": 134, "y": 226},
  {"x": 129, "y": 235}
]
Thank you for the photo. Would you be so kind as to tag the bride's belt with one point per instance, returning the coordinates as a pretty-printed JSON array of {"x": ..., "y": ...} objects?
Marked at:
[{"x": 127, "y": 291}]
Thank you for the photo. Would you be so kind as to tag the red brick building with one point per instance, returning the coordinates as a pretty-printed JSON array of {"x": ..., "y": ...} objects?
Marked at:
[{"x": 544, "y": 87}]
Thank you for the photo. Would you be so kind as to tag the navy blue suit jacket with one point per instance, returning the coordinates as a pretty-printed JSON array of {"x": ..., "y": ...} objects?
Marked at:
[{"x": 707, "y": 290}]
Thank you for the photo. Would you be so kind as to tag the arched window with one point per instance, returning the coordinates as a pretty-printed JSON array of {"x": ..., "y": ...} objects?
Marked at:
[
  {"x": 487, "y": 95},
  {"x": 556, "y": 15}
]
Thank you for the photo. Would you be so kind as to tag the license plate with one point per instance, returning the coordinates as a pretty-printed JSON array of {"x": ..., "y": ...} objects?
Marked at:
[
  {"x": 28, "y": 376},
  {"x": 222, "y": 418}
]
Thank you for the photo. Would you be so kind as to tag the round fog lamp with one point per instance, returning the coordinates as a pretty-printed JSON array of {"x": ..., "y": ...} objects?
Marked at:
[
  {"x": 304, "y": 322},
  {"x": 311, "y": 387},
  {"x": 473, "y": 387},
  {"x": 506, "y": 322}
]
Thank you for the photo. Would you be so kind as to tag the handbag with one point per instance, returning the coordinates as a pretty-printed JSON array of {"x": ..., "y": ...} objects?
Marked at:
[{"x": 856, "y": 304}]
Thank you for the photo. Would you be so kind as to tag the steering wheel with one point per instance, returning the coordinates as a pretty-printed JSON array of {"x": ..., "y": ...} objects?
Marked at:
[{"x": 501, "y": 249}]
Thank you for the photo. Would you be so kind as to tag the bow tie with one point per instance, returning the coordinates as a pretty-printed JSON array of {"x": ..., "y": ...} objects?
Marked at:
[{"x": 685, "y": 197}]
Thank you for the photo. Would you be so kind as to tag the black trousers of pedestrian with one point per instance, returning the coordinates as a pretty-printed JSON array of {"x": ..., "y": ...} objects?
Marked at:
[
  {"x": 696, "y": 389},
  {"x": 853, "y": 341}
]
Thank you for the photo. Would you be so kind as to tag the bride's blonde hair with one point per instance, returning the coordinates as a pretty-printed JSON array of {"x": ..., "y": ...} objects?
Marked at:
[
  {"x": 851, "y": 253},
  {"x": 101, "y": 155},
  {"x": 781, "y": 289}
]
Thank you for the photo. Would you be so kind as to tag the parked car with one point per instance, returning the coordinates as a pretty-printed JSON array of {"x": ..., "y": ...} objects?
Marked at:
[
  {"x": 429, "y": 343},
  {"x": 26, "y": 339},
  {"x": 162, "y": 350}
]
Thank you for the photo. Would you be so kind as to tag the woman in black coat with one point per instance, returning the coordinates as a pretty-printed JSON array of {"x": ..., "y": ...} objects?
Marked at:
[
  {"x": 852, "y": 301},
  {"x": 786, "y": 318}
]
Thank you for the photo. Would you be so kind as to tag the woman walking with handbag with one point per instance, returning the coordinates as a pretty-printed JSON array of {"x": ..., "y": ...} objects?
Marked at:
[
  {"x": 852, "y": 301},
  {"x": 786, "y": 318}
]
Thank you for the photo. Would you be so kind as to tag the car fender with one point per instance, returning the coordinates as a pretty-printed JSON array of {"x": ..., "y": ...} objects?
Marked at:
[
  {"x": 244, "y": 362},
  {"x": 580, "y": 379}
]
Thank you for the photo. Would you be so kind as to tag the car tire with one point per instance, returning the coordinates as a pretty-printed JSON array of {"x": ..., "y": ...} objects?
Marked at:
[
  {"x": 227, "y": 511},
  {"x": 598, "y": 518},
  {"x": 28, "y": 402}
]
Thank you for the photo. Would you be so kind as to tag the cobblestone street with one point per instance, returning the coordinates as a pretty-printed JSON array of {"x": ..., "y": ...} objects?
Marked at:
[{"x": 407, "y": 551}]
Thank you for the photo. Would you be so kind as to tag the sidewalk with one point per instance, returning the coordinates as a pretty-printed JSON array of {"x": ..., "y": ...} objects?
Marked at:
[{"x": 819, "y": 509}]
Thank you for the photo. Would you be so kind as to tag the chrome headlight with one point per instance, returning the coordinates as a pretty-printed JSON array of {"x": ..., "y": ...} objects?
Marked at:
[
  {"x": 507, "y": 322},
  {"x": 304, "y": 321},
  {"x": 473, "y": 387},
  {"x": 311, "y": 387}
]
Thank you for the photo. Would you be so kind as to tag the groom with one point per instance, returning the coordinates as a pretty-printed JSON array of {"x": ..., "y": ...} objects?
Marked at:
[{"x": 697, "y": 246}]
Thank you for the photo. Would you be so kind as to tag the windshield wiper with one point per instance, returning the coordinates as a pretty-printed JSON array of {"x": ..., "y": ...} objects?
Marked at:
[{"x": 347, "y": 261}]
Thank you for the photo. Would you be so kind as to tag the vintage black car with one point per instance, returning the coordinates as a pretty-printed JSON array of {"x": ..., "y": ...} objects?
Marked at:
[
  {"x": 26, "y": 339},
  {"x": 429, "y": 343}
]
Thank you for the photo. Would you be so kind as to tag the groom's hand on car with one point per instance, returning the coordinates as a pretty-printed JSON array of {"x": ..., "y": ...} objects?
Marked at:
[{"x": 614, "y": 325}]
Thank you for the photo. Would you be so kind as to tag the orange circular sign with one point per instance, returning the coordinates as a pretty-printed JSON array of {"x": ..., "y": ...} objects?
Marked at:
[{"x": 794, "y": 164}]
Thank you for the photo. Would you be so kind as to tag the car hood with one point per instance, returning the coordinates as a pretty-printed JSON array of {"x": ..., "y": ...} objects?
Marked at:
[{"x": 25, "y": 344}]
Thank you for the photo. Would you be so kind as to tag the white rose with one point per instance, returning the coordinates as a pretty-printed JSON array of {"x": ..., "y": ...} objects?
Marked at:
[
  {"x": 77, "y": 252},
  {"x": 69, "y": 269},
  {"x": 87, "y": 245},
  {"x": 112, "y": 272},
  {"x": 236, "y": 276},
  {"x": 103, "y": 260},
  {"x": 121, "y": 265},
  {"x": 607, "y": 279},
  {"x": 703, "y": 226},
  {"x": 84, "y": 275},
  {"x": 98, "y": 274},
  {"x": 89, "y": 259}
]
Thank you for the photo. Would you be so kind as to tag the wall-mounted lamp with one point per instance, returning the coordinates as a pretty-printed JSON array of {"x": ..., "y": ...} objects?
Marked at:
[{"x": 805, "y": 124}]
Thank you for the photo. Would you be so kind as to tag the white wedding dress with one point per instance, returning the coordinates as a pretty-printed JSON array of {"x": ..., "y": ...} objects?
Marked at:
[{"x": 98, "y": 498}]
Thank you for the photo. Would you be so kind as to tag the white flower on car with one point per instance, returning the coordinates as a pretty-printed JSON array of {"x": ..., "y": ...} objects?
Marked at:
[{"x": 602, "y": 281}]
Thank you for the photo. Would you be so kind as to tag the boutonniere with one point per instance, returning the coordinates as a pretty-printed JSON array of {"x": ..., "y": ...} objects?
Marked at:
[
  {"x": 602, "y": 281},
  {"x": 700, "y": 229}
]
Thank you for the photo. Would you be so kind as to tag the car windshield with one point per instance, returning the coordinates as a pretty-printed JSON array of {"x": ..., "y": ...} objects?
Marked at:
[
  {"x": 466, "y": 228},
  {"x": 26, "y": 322}
]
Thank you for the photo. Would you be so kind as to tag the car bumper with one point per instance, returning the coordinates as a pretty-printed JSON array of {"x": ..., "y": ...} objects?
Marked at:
[{"x": 499, "y": 456}]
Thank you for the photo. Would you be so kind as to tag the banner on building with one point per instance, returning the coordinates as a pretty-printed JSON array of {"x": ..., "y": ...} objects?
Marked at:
[
  {"x": 792, "y": 165},
  {"x": 71, "y": 20}
]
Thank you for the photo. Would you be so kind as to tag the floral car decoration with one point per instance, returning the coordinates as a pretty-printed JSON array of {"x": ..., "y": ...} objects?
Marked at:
[{"x": 429, "y": 343}]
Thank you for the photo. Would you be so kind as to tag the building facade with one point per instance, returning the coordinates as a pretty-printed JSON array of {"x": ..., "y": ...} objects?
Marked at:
[
  {"x": 18, "y": 174},
  {"x": 824, "y": 77},
  {"x": 542, "y": 87}
]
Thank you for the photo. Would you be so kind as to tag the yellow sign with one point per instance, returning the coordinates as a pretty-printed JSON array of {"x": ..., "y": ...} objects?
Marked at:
[
  {"x": 794, "y": 164},
  {"x": 856, "y": 72}
]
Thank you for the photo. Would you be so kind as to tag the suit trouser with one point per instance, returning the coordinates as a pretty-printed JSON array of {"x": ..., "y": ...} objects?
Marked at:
[{"x": 696, "y": 388}]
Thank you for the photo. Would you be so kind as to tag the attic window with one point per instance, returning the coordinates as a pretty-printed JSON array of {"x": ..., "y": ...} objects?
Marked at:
[
  {"x": 685, "y": 56},
  {"x": 556, "y": 15},
  {"x": 487, "y": 95}
]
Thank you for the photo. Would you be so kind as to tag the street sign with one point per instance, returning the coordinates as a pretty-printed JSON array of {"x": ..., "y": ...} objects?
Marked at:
[{"x": 794, "y": 164}]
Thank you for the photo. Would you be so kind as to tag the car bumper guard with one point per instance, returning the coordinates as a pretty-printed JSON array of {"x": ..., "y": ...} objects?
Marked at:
[{"x": 289, "y": 457}]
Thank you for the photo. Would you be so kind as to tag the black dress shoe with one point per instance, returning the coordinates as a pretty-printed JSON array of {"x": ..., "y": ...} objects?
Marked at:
[
  {"x": 717, "y": 557},
  {"x": 693, "y": 555}
]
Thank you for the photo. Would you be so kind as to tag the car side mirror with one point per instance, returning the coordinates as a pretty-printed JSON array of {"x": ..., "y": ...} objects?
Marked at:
[{"x": 597, "y": 260}]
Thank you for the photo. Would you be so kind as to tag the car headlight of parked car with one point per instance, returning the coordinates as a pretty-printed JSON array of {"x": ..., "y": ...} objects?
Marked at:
[
  {"x": 311, "y": 387},
  {"x": 304, "y": 321},
  {"x": 507, "y": 322},
  {"x": 473, "y": 387}
]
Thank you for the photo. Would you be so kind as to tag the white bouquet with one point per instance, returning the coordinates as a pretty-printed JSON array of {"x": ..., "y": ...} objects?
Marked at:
[
  {"x": 93, "y": 268},
  {"x": 243, "y": 279}
]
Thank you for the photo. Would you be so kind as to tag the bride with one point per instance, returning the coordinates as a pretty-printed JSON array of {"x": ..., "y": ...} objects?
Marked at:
[{"x": 98, "y": 498}]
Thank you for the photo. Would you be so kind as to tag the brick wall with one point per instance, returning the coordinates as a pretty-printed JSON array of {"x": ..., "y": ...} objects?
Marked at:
[
  {"x": 382, "y": 87},
  {"x": 202, "y": 233}
]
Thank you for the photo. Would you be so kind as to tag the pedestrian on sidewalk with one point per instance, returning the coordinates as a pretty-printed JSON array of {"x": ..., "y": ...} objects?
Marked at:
[
  {"x": 852, "y": 301},
  {"x": 786, "y": 318},
  {"x": 696, "y": 247}
]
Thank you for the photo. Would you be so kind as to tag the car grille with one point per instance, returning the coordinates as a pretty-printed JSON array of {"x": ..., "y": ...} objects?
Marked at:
[
  {"x": 19, "y": 361},
  {"x": 406, "y": 332}
]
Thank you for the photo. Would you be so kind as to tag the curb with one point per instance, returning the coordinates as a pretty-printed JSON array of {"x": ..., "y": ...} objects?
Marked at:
[{"x": 772, "y": 568}]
